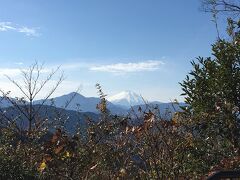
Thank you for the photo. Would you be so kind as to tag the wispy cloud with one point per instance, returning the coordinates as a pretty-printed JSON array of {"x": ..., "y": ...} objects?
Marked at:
[
  {"x": 16, "y": 72},
  {"x": 6, "y": 26},
  {"x": 9, "y": 26},
  {"x": 10, "y": 71},
  {"x": 122, "y": 68},
  {"x": 71, "y": 66},
  {"x": 19, "y": 63},
  {"x": 117, "y": 68},
  {"x": 28, "y": 31}
]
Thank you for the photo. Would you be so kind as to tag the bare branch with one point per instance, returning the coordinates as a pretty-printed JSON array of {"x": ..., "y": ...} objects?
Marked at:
[
  {"x": 221, "y": 6},
  {"x": 32, "y": 85},
  {"x": 60, "y": 80},
  {"x": 15, "y": 104},
  {"x": 44, "y": 82},
  {"x": 18, "y": 86}
]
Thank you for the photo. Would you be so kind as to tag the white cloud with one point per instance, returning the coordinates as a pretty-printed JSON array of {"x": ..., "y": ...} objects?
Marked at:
[
  {"x": 10, "y": 71},
  {"x": 16, "y": 75},
  {"x": 9, "y": 26},
  {"x": 15, "y": 72},
  {"x": 64, "y": 88},
  {"x": 28, "y": 31},
  {"x": 6, "y": 26},
  {"x": 129, "y": 67},
  {"x": 71, "y": 66},
  {"x": 19, "y": 63}
]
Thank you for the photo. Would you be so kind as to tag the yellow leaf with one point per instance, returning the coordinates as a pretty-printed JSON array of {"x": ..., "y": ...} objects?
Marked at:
[
  {"x": 67, "y": 154},
  {"x": 42, "y": 166}
]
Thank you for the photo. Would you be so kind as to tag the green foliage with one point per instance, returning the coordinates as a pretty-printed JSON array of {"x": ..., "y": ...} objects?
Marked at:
[
  {"x": 214, "y": 82},
  {"x": 212, "y": 90}
]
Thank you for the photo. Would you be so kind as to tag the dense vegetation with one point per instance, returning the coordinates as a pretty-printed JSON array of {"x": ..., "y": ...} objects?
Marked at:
[{"x": 204, "y": 138}]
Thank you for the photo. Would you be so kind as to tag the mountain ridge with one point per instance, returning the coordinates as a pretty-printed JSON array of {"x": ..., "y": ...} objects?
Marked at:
[{"x": 77, "y": 102}]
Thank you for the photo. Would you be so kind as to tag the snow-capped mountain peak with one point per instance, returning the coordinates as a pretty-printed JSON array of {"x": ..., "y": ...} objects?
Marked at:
[{"x": 126, "y": 98}]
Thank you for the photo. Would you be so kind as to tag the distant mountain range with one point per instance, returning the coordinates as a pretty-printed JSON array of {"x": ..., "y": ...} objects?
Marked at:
[
  {"x": 120, "y": 103},
  {"x": 4, "y": 103},
  {"x": 68, "y": 105},
  {"x": 76, "y": 101}
]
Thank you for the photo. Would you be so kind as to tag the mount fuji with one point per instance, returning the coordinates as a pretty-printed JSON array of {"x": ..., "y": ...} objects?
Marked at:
[{"x": 126, "y": 99}]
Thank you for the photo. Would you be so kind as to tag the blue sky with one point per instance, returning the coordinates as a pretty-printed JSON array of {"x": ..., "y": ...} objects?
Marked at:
[{"x": 145, "y": 46}]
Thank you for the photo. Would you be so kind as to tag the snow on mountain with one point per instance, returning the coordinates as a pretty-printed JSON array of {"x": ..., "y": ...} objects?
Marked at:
[{"x": 126, "y": 99}]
